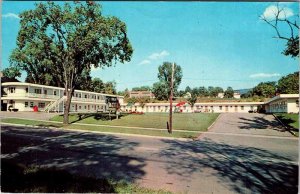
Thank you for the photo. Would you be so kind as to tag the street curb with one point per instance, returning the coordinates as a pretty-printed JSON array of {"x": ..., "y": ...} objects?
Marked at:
[
  {"x": 214, "y": 122},
  {"x": 285, "y": 126},
  {"x": 209, "y": 126},
  {"x": 100, "y": 132}
]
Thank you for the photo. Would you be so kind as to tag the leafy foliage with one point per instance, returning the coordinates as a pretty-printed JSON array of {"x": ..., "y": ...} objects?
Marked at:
[
  {"x": 56, "y": 43},
  {"x": 142, "y": 88},
  {"x": 165, "y": 75},
  {"x": 160, "y": 91},
  {"x": 265, "y": 89},
  {"x": 11, "y": 72},
  {"x": 193, "y": 99},
  {"x": 228, "y": 93},
  {"x": 289, "y": 84}
]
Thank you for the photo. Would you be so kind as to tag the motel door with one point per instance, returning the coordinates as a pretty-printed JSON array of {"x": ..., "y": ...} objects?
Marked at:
[
  {"x": 235, "y": 108},
  {"x": 75, "y": 107},
  {"x": 226, "y": 108}
]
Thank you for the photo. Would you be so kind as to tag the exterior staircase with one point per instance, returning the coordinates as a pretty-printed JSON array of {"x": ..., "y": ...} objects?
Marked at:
[{"x": 53, "y": 104}]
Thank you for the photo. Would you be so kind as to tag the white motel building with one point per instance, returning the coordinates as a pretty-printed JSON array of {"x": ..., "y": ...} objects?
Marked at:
[
  {"x": 20, "y": 96},
  {"x": 26, "y": 96}
]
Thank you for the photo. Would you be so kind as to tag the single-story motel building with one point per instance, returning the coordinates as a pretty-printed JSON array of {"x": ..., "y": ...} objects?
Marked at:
[{"x": 27, "y": 97}]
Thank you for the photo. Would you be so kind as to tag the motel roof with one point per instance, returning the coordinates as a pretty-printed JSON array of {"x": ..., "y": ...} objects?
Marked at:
[{"x": 52, "y": 87}]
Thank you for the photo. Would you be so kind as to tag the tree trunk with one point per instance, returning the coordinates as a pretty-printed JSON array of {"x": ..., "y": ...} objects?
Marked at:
[{"x": 67, "y": 106}]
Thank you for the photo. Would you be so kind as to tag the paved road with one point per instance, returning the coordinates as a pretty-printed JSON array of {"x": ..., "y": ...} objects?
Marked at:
[{"x": 213, "y": 164}]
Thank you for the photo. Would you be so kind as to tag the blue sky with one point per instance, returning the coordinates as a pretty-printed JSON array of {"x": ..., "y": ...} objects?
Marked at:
[{"x": 216, "y": 43}]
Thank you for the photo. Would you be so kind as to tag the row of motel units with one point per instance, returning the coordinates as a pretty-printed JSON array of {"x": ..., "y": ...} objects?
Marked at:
[
  {"x": 287, "y": 103},
  {"x": 24, "y": 96}
]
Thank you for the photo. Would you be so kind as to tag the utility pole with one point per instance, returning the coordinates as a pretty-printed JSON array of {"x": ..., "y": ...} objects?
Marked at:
[{"x": 171, "y": 99}]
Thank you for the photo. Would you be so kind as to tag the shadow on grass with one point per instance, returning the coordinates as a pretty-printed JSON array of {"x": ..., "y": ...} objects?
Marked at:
[
  {"x": 18, "y": 178},
  {"x": 49, "y": 125},
  {"x": 84, "y": 154},
  {"x": 97, "y": 116},
  {"x": 242, "y": 169},
  {"x": 288, "y": 122}
]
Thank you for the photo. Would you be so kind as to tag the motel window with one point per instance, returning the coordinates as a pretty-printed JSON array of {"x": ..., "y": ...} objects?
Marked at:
[
  {"x": 84, "y": 107},
  {"x": 297, "y": 103},
  {"x": 98, "y": 97},
  {"x": 76, "y": 95},
  {"x": 54, "y": 93},
  {"x": 41, "y": 105},
  {"x": 31, "y": 104},
  {"x": 79, "y": 95},
  {"x": 85, "y": 96},
  {"x": 26, "y": 104},
  {"x": 37, "y": 91},
  {"x": 12, "y": 89},
  {"x": 158, "y": 107},
  {"x": 79, "y": 107},
  {"x": 242, "y": 107},
  {"x": 26, "y": 89},
  {"x": 45, "y": 92}
]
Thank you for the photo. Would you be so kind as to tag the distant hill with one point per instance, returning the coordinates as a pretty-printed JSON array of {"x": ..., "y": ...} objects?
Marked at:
[{"x": 243, "y": 91}]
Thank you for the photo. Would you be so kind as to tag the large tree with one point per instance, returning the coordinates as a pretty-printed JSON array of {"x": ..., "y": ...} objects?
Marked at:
[
  {"x": 228, "y": 93},
  {"x": 165, "y": 75},
  {"x": 265, "y": 89},
  {"x": 162, "y": 89},
  {"x": 69, "y": 39},
  {"x": 281, "y": 19},
  {"x": 289, "y": 84}
]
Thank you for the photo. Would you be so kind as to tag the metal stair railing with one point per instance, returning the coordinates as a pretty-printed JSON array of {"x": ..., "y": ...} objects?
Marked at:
[
  {"x": 57, "y": 102},
  {"x": 48, "y": 105}
]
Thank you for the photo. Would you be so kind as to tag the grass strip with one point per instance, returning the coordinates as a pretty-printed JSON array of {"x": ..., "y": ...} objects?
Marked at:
[{"x": 45, "y": 124}]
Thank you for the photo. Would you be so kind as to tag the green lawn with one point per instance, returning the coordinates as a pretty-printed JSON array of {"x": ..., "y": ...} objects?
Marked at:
[
  {"x": 291, "y": 120},
  {"x": 161, "y": 133},
  {"x": 181, "y": 121}
]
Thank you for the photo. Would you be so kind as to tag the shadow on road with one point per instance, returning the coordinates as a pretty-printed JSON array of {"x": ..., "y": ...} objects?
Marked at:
[
  {"x": 98, "y": 156},
  {"x": 243, "y": 169}
]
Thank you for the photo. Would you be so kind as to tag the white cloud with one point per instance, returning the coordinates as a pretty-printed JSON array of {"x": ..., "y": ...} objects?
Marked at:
[
  {"x": 154, "y": 56},
  {"x": 264, "y": 75},
  {"x": 160, "y": 55},
  {"x": 11, "y": 15},
  {"x": 144, "y": 62},
  {"x": 271, "y": 11}
]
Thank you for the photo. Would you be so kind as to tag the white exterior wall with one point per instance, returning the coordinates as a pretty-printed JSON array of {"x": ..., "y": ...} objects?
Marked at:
[
  {"x": 292, "y": 106},
  {"x": 89, "y": 101},
  {"x": 198, "y": 107}
]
